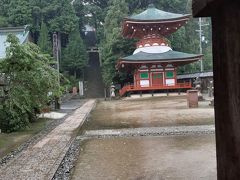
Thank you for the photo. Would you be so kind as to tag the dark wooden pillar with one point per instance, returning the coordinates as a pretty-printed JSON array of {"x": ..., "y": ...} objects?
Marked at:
[{"x": 226, "y": 53}]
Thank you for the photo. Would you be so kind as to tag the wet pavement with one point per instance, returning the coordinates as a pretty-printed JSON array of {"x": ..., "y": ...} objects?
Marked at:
[
  {"x": 71, "y": 104},
  {"x": 151, "y": 112},
  {"x": 160, "y": 158},
  {"x": 155, "y": 138}
]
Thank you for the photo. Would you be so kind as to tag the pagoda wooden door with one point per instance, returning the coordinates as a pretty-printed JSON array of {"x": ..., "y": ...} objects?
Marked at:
[{"x": 157, "y": 79}]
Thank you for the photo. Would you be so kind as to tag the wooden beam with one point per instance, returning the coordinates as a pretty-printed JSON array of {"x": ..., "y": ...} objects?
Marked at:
[
  {"x": 226, "y": 65},
  {"x": 205, "y": 8}
]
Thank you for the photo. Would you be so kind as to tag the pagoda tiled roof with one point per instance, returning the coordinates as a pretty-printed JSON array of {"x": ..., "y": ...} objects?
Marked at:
[
  {"x": 168, "y": 57},
  {"x": 154, "y": 14}
]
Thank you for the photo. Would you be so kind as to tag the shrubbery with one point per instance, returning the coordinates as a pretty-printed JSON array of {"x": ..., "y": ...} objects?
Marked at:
[{"x": 30, "y": 79}]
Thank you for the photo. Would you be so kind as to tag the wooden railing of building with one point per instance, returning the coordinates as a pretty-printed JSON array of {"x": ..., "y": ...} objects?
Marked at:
[{"x": 132, "y": 88}]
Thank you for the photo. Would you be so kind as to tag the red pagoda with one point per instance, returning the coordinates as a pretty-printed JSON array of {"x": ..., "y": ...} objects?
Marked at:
[{"x": 154, "y": 63}]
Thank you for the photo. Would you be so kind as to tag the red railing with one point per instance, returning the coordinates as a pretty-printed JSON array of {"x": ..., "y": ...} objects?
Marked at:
[{"x": 131, "y": 88}]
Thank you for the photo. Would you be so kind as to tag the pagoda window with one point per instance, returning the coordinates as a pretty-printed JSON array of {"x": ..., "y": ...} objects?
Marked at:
[
  {"x": 169, "y": 74},
  {"x": 144, "y": 75}
]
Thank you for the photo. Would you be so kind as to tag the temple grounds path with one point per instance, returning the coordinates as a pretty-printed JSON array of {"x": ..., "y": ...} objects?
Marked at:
[
  {"x": 147, "y": 138},
  {"x": 149, "y": 112},
  {"x": 41, "y": 160}
]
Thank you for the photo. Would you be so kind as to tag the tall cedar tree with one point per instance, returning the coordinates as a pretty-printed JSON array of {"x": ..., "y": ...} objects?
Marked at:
[
  {"x": 114, "y": 45},
  {"x": 60, "y": 16},
  {"x": 44, "y": 40},
  {"x": 75, "y": 54}
]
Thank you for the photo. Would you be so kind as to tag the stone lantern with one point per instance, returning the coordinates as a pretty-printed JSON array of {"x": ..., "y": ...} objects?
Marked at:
[{"x": 112, "y": 91}]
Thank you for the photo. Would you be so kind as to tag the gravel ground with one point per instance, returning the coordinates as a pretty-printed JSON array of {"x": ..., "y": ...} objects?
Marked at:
[
  {"x": 42, "y": 133},
  {"x": 153, "y": 131},
  {"x": 66, "y": 167}
]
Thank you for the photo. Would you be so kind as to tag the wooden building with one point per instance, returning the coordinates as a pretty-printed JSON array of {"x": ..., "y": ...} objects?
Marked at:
[
  {"x": 206, "y": 79},
  {"x": 22, "y": 33},
  {"x": 225, "y": 15},
  {"x": 154, "y": 63}
]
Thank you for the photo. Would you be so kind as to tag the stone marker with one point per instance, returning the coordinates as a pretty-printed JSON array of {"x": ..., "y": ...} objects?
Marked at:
[{"x": 192, "y": 98}]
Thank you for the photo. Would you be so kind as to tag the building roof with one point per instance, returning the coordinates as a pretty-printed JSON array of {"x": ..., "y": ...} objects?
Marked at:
[
  {"x": 153, "y": 21},
  {"x": 22, "y": 33},
  {"x": 195, "y": 75},
  {"x": 154, "y": 14},
  {"x": 169, "y": 56}
]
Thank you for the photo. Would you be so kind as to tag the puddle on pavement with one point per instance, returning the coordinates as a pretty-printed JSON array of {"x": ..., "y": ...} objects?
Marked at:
[
  {"x": 174, "y": 157},
  {"x": 152, "y": 112}
]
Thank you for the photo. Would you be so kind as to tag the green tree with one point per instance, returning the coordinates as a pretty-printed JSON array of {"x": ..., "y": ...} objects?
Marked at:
[
  {"x": 207, "y": 60},
  {"x": 114, "y": 45},
  {"x": 19, "y": 13},
  {"x": 60, "y": 16},
  {"x": 100, "y": 3},
  {"x": 44, "y": 40},
  {"x": 80, "y": 13},
  {"x": 4, "y": 5},
  {"x": 3, "y": 21},
  {"x": 75, "y": 54},
  {"x": 30, "y": 78},
  {"x": 96, "y": 11}
]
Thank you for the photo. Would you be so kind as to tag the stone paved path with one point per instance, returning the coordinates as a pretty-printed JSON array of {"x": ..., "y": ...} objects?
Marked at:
[{"x": 41, "y": 160}]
